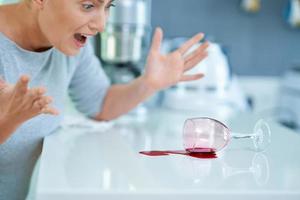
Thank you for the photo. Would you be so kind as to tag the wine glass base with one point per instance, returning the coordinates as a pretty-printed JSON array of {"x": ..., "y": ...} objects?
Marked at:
[{"x": 262, "y": 135}]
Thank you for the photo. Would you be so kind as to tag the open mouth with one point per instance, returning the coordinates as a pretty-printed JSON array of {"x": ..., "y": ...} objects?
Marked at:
[{"x": 80, "y": 39}]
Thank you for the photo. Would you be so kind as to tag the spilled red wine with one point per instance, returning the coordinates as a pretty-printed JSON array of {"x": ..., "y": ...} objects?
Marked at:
[{"x": 204, "y": 153}]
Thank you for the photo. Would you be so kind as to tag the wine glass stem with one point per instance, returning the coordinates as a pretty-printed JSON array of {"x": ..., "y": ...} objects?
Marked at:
[{"x": 241, "y": 136}]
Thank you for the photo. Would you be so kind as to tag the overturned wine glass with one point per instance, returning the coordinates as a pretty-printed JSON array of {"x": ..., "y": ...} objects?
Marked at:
[{"x": 205, "y": 135}]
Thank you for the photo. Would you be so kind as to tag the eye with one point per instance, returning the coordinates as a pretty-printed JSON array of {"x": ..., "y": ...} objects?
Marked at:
[
  {"x": 88, "y": 6},
  {"x": 110, "y": 5}
]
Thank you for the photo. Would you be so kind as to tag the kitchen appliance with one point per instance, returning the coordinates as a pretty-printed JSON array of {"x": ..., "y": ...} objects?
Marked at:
[
  {"x": 217, "y": 95},
  {"x": 125, "y": 41},
  {"x": 292, "y": 13},
  {"x": 289, "y": 100}
]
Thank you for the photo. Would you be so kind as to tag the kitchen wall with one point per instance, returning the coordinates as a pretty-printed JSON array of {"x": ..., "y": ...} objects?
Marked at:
[{"x": 258, "y": 44}]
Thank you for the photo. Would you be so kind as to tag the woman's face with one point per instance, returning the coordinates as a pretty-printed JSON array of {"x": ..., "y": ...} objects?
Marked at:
[{"x": 67, "y": 24}]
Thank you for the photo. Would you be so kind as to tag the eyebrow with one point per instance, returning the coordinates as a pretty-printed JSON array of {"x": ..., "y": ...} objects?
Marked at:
[{"x": 102, "y": 1}]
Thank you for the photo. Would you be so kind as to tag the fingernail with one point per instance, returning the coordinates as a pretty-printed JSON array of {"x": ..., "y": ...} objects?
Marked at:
[
  {"x": 200, "y": 35},
  {"x": 41, "y": 91}
]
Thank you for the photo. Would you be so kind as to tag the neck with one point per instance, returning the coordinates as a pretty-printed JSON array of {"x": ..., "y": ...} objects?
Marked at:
[{"x": 28, "y": 33}]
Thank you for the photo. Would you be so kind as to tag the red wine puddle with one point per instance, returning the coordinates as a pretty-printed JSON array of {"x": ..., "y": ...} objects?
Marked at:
[{"x": 203, "y": 153}]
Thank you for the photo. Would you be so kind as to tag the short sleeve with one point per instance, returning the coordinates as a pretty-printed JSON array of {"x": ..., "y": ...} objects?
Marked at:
[{"x": 89, "y": 83}]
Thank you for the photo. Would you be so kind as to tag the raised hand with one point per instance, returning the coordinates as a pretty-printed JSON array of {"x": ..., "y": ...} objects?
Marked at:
[
  {"x": 19, "y": 103},
  {"x": 163, "y": 71}
]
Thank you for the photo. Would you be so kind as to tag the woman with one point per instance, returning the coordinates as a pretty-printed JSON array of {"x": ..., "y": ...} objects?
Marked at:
[{"x": 44, "y": 56}]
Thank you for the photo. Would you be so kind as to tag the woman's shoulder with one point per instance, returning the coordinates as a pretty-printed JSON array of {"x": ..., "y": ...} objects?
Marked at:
[{"x": 2, "y": 44}]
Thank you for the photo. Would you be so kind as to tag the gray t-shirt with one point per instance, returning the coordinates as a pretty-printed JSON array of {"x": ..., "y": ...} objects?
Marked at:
[{"x": 81, "y": 75}]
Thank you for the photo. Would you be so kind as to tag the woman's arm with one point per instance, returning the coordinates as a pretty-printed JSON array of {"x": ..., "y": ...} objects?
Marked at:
[
  {"x": 162, "y": 71},
  {"x": 7, "y": 127},
  {"x": 122, "y": 98}
]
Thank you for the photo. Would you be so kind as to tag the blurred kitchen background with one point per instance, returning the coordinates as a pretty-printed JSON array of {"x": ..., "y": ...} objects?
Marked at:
[
  {"x": 259, "y": 43},
  {"x": 253, "y": 63}
]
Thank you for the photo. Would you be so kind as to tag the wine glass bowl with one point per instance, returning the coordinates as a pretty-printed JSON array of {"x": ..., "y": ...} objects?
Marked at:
[{"x": 204, "y": 134}]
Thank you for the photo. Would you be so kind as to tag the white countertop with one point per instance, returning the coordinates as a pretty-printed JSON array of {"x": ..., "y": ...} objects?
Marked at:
[{"x": 104, "y": 163}]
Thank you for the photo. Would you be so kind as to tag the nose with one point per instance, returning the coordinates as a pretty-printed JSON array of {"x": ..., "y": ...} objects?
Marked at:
[{"x": 98, "y": 23}]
